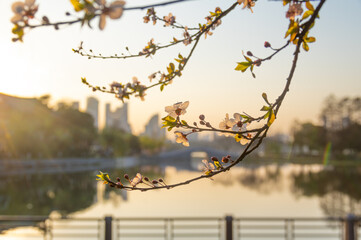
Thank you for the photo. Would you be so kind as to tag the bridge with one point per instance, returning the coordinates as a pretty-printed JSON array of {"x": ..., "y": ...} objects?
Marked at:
[{"x": 186, "y": 158}]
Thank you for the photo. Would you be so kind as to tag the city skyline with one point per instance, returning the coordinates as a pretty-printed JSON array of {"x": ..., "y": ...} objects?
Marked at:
[{"x": 118, "y": 118}]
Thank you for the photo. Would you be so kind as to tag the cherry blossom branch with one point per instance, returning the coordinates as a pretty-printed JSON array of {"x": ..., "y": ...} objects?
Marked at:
[
  {"x": 79, "y": 20},
  {"x": 122, "y": 91},
  {"x": 253, "y": 145},
  {"x": 175, "y": 41}
]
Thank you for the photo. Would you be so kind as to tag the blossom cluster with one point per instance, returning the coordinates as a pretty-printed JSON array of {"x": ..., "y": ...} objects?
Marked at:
[
  {"x": 247, "y": 4},
  {"x": 209, "y": 167},
  {"x": 133, "y": 182},
  {"x": 213, "y": 21},
  {"x": 236, "y": 124},
  {"x": 122, "y": 91},
  {"x": 150, "y": 15},
  {"x": 23, "y": 12},
  {"x": 235, "y": 127}
]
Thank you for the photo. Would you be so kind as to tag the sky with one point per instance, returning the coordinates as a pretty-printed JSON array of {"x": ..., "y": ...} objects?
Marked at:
[{"x": 45, "y": 63}]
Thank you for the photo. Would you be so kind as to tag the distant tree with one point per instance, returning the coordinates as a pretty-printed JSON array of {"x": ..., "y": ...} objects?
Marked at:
[
  {"x": 151, "y": 146},
  {"x": 76, "y": 131},
  {"x": 310, "y": 135},
  {"x": 342, "y": 121},
  {"x": 33, "y": 130},
  {"x": 114, "y": 142}
]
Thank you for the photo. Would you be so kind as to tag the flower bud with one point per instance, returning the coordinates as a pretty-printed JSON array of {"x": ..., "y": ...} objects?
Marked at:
[
  {"x": 208, "y": 124},
  {"x": 225, "y": 159},
  {"x": 249, "y": 53},
  {"x": 160, "y": 180},
  {"x": 154, "y": 181},
  {"x": 146, "y": 179},
  {"x": 267, "y": 44},
  {"x": 228, "y": 156},
  {"x": 258, "y": 62},
  {"x": 214, "y": 159},
  {"x": 202, "y": 117},
  {"x": 118, "y": 179},
  {"x": 126, "y": 176},
  {"x": 202, "y": 122}
]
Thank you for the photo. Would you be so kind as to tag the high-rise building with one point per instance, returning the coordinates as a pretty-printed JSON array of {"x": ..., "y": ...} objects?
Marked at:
[
  {"x": 92, "y": 107},
  {"x": 117, "y": 119},
  {"x": 153, "y": 128}
]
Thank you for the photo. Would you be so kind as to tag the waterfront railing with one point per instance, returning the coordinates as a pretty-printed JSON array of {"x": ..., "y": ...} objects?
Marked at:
[{"x": 178, "y": 228}]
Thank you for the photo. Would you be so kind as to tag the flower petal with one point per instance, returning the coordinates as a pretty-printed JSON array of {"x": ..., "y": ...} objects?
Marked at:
[
  {"x": 173, "y": 115},
  {"x": 237, "y": 117},
  {"x": 100, "y": 2},
  {"x": 18, "y": 7},
  {"x": 17, "y": 18},
  {"x": 184, "y": 105},
  {"x": 244, "y": 141},
  {"x": 116, "y": 9},
  {"x": 29, "y": 3},
  {"x": 169, "y": 109},
  {"x": 102, "y": 21}
]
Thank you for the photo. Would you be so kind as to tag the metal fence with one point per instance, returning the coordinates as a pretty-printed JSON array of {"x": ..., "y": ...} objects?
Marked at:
[
  {"x": 205, "y": 228},
  {"x": 289, "y": 228}
]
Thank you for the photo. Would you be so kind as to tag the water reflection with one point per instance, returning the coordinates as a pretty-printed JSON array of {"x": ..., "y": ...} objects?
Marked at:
[
  {"x": 270, "y": 190},
  {"x": 41, "y": 194},
  {"x": 264, "y": 179},
  {"x": 337, "y": 187}
]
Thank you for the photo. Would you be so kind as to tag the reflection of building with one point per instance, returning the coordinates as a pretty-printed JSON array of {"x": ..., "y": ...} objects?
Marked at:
[
  {"x": 153, "y": 128},
  {"x": 92, "y": 105},
  {"x": 118, "y": 118}
]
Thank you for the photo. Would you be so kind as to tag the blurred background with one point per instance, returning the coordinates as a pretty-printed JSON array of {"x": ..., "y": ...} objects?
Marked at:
[{"x": 55, "y": 134}]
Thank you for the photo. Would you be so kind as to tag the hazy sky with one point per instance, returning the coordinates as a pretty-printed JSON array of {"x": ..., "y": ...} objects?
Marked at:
[{"x": 45, "y": 63}]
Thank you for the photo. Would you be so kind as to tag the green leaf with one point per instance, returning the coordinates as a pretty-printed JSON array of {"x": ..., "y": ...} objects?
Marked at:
[
  {"x": 309, "y": 6},
  {"x": 171, "y": 65},
  {"x": 77, "y": 5},
  {"x": 247, "y": 58},
  {"x": 265, "y": 108},
  {"x": 238, "y": 137},
  {"x": 293, "y": 29},
  {"x": 310, "y": 39},
  {"x": 271, "y": 118},
  {"x": 266, "y": 115},
  {"x": 218, "y": 165},
  {"x": 103, "y": 177},
  {"x": 264, "y": 95},
  {"x": 242, "y": 66},
  {"x": 305, "y": 46},
  {"x": 307, "y": 14}
]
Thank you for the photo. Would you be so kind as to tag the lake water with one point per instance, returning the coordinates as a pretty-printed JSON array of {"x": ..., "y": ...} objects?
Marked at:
[{"x": 288, "y": 190}]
